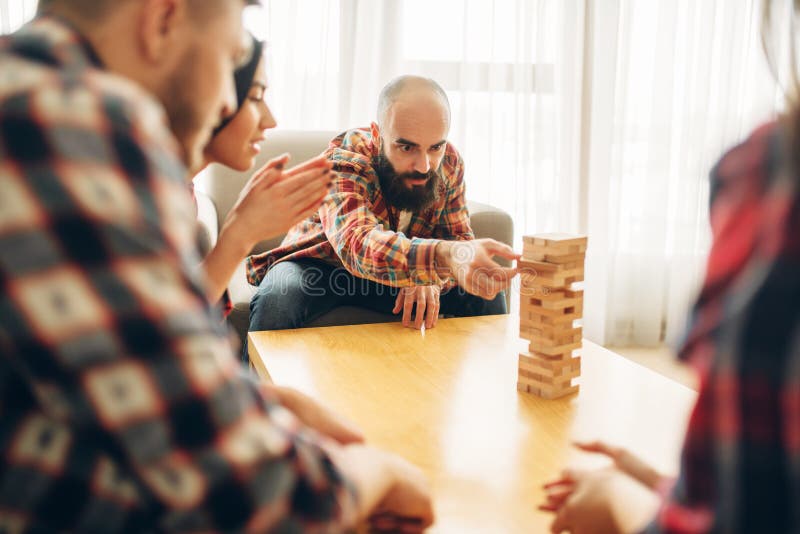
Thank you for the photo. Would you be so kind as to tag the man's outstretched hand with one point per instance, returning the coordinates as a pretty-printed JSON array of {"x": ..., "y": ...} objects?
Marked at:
[{"x": 472, "y": 265}]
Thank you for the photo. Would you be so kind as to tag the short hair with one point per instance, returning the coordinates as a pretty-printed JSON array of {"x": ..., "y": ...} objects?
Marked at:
[{"x": 392, "y": 91}]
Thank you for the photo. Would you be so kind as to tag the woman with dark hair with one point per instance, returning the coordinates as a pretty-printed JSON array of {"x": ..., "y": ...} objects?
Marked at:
[
  {"x": 274, "y": 199},
  {"x": 740, "y": 466}
]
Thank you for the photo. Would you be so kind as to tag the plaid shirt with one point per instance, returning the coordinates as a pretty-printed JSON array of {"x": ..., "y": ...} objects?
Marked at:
[
  {"x": 357, "y": 229},
  {"x": 740, "y": 467},
  {"x": 122, "y": 405}
]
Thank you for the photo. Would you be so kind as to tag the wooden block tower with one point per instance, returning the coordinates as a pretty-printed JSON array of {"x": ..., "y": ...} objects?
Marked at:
[{"x": 549, "y": 306}]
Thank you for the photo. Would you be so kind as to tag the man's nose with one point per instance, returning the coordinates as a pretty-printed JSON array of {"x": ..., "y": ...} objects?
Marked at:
[{"x": 422, "y": 164}]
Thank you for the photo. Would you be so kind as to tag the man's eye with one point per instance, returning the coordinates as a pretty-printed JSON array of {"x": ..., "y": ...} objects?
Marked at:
[
  {"x": 406, "y": 148},
  {"x": 437, "y": 148}
]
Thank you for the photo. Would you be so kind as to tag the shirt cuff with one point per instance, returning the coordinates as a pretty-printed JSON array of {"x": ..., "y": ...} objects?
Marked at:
[{"x": 421, "y": 263}]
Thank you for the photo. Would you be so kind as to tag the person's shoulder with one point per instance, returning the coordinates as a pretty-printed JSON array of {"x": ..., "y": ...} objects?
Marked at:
[
  {"x": 351, "y": 152},
  {"x": 750, "y": 157},
  {"x": 352, "y": 146},
  {"x": 452, "y": 165},
  {"x": 100, "y": 107}
]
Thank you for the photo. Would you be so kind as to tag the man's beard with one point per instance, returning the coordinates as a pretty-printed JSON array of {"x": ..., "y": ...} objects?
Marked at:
[{"x": 400, "y": 196}]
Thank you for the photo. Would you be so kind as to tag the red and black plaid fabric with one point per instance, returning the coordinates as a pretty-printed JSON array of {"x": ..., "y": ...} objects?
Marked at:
[
  {"x": 122, "y": 405},
  {"x": 740, "y": 468}
]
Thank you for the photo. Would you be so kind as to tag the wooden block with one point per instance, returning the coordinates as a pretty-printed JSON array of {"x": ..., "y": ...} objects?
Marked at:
[
  {"x": 548, "y": 281},
  {"x": 552, "y": 368},
  {"x": 557, "y": 294},
  {"x": 554, "y": 239},
  {"x": 534, "y": 306},
  {"x": 532, "y": 331},
  {"x": 535, "y": 254},
  {"x": 547, "y": 392},
  {"x": 562, "y": 356},
  {"x": 557, "y": 393},
  {"x": 539, "y": 266},
  {"x": 556, "y": 304},
  {"x": 565, "y": 332},
  {"x": 532, "y": 318},
  {"x": 559, "y": 349},
  {"x": 535, "y": 251},
  {"x": 555, "y": 339}
]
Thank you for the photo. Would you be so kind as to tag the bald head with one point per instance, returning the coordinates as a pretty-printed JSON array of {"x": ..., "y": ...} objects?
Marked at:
[
  {"x": 411, "y": 139},
  {"x": 412, "y": 91}
]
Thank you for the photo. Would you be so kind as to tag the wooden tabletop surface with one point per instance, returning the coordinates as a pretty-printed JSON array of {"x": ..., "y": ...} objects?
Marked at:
[{"x": 446, "y": 399}]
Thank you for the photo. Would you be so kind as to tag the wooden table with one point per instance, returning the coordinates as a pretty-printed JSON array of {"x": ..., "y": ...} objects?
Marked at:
[{"x": 446, "y": 399}]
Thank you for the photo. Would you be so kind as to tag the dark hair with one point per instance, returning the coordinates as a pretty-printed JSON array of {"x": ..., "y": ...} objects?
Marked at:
[{"x": 243, "y": 78}]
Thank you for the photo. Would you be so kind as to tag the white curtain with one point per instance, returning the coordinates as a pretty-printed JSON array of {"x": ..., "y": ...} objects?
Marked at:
[
  {"x": 594, "y": 116},
  {"x": 603, "y": 117},
  {"x": 673, "y": 84},
  {"x": 14, "y": 13}
]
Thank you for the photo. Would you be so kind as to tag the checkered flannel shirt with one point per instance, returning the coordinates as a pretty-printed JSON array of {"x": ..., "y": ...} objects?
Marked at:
[
  {"x": 122, "y": 405},
  {"x": 740, "y": 467},
  {"x": 357, "y": 229}
]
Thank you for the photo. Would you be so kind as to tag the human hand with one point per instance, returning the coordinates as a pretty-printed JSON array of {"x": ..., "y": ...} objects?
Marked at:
[
  {"x": 316, "y": 416},
  {"x": 603, "y": 501},
  {"x": 394, "y": 495},
  {"x": 472, "y": 265},
  {"x": 626, "y": 462},
  {"x": 274, "y": 200},
  {"x": 426, "y": 299}
]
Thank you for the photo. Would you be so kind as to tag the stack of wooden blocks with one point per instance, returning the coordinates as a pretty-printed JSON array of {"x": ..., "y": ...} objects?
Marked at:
[{"x": 550, "y": 304}]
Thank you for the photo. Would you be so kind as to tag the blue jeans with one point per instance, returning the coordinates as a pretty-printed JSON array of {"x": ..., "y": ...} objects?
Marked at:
[{"x": 294, "y": 293}]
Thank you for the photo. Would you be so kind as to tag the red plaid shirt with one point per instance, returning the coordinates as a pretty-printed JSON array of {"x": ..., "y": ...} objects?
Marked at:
[
  {"x": 122, "y": 405},
  {"x": 357, "y": 229},
  {"x": 740, "y": 467}
]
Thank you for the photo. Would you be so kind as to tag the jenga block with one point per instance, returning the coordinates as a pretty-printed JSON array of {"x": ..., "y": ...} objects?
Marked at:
[
  {"x": 536, "y": 378},
  {"x": 533, "y": 319},
  {"x": 546, "y": 296},
  {"x": 547, "y": 312},
  {"x": 539, "y": 266},
  {"x": 560, "y": 349},
  {"x": 553, "y": 280},
  {"x": 556, "y": 304},
  {"x": 557, "y": 393},
  {"x": 535, "y": 254},
  {"x": 547, "y": 392},
  {"x": 532, "y": 250},
  {"x": 555, "y": 339},
  {"x": 562, "y": 356},
  {"x": 558, "y": 332},
  {"x": 548, "y": 367},
  {"x": 555, "y": 244},
  {"x": 532, "y": 331},
  {"x": 555, "y": 240},
  {"x": 551, "y": 308}
]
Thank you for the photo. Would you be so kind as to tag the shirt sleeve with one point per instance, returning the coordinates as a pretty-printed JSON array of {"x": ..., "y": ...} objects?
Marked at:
[
  {"x": 365, "y": 247},
  {"x": 127, "y": 349}
]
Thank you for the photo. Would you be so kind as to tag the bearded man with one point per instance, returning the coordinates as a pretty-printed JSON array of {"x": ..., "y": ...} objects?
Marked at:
[{"x": 394, "y": 235}]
